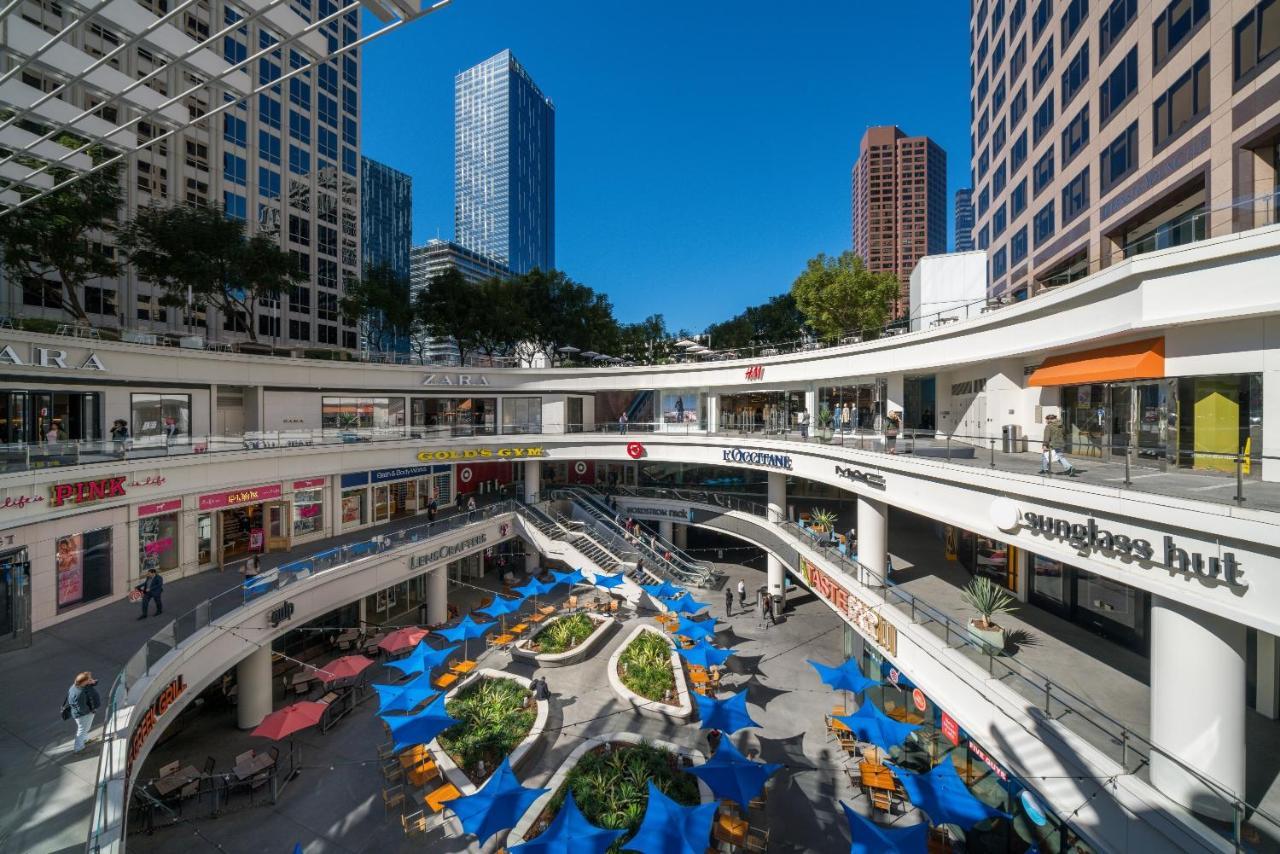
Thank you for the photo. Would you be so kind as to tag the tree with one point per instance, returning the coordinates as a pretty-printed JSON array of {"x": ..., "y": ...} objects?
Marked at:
[
  {"x": 49, "y": 242},
  {"x": 777, "y": 320},
  {"x": 559, "y": 312},
  {"x": 198, "y": 255},
  {"x": 501, "y": 318},
  {"x": 647, "y": 340},
  {"x": 451, "y": 307},
  {"x": 381, "y": 299},
  {"x": 839, "y": 295}
]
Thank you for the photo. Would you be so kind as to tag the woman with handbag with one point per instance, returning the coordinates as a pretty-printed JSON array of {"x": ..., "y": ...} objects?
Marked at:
[{"x": 80, "y": 706}]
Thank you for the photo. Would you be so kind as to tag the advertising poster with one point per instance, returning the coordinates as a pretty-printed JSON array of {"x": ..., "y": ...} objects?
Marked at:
[
  {"x": 680, "y": 407},
  {"x": 256, "y": 540},
  {"x": 69, "y": 555}
]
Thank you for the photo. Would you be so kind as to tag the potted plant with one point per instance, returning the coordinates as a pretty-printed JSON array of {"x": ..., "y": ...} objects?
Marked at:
[
  {"x": 822, "y": 521},
  {"x": 989, "y": 600},
  {"x": 824, "y": 424}
]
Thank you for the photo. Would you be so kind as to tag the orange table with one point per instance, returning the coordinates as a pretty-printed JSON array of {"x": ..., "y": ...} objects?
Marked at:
[
  {"x": 420, "y": 775},
  {"x": 414, "y": 756},
  {"x": 730, "y": 829},
  {"x": 446, "y": 680},
  {"x": 436, "y": 800},
  {"x": 536, "y": 618},
  {"x": 519, "y": 628},
  {"x": 899, "y": 713},
  {"x": 837, "y": 724},
  {"x": 699, "y": 677},
  {"x": 877, "y": 777},
  {"x": 503, "y": 639},
  {"x": 547, "y": 610},
  {"x": 463, "y": 667}
]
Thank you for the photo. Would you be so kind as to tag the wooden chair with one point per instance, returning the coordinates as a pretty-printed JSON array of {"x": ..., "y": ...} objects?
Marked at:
[
  {"x": 880, "y": 799},
  {"x": 245, "y": 757},
  {"x": 209, "y": 764},
  {"x": 393, "y": 797},
  {"x": 386, "y": 751},
  {"x": 613, "y": 607},
  {"x": 414, "y": 823},
  {"x": 571, "y": 604},
  {"x": 757, "y": 839},
  {"x": 169, "y": 768},
  {"x": 392, "y": 771}
]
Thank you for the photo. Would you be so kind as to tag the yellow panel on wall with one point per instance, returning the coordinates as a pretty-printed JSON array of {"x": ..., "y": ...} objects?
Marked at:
[{"x": 1217, "y": 424}]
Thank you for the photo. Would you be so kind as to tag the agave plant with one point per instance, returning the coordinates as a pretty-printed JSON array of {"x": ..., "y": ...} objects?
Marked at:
[
  {"x": 492, "y": 721},
  {"x": 645, "y": 666},
  {"x": 822, "y": 520},
  {"x": 988, "y": 599},
  {"x": 565, "y": 633}
]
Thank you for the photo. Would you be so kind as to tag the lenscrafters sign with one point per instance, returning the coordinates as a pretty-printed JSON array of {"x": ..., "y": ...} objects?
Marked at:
[{"x": 448, "y": 551}]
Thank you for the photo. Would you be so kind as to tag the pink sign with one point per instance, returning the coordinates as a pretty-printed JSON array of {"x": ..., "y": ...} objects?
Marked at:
[
  {"x": 256, "y": 540},
  {"x": 309, "y": 484},
  {"x": 247, "y": 495},
  {"x": 159, "y": 546},
  {"x": 306, "y": 511},
  {"x": 161, "y": 507}
]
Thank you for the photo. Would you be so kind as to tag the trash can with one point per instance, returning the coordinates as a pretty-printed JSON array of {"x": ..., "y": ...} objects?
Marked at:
[
  {"x": 1011, "y": 438},
  {"x": 779, "y": 603}
]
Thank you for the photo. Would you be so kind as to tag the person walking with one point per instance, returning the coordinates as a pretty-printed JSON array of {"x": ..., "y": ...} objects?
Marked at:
[
  {"x": 762, "y": 607},
  {"x": 432, "y": 507},
  {"x": 81, "y": 704},
  {"x": 1054, "y": 443},
  {"x": 152, "y": 587},
  {"x": 713, "y": 740},
  {"x": 622, "y": 423},
  {"x": 471, "y": 504},
  {"x": 728, "y": 601},
  {"x": 892, "y": 425},
  {"x": 120, "y": 437},
  {"x": 742, "y": 594},
  {"x": 802, "y": 420}
]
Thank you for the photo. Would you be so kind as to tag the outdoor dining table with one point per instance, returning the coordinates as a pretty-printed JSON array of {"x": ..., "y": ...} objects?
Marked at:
[
  {"x": 547, "y": 610},
  {"x": 877, "y": 777},
  {"x": 436, "y": 800},
  {"x": 730, "y": 829},
  {"x": 257, "y": 763},
  {"x": 902, "y": 715},
  {"x": 463, "y": 667},
  {"x": 536, "y": 618},
  {"x": 171, "y": 783},
  {"x": 446, "y": 679},
  {"x": 519, "y": 628},
  {"x": 503, "y": 639},
  {"x": 415, "y": 755}
]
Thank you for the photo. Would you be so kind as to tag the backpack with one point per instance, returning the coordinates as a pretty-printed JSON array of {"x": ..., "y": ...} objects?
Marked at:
[{"x": 66, "y": 707}]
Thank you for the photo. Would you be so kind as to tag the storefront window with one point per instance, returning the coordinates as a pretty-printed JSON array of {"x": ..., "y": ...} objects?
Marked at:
[
  {"x": 682, "y": 408},
  {"x": 1108, "y": 599},
  {"x": 204, "y": 539},
  {"x": 454, "y": 416},
  {"x": 83, "y": 564},
  {"x": 1049, "y": 578},
  {"x": 308, "y": 512},
  {"x": 522, "y": 415},
  {"x": 1220, "y": 417},
  {"x": 760, "y": 412},
  {"x": 640, "y": 407},
  {"x": 856, "y": 407},
  {"x": 158, "y": 542},
  {"x": 44, "y": 418},
  {"x": 437, "y": 487},
  {"x": 379, "y": 504},
  {"x": 161, "y": 416},
  {"x": 362, "y": 413},
  {"x": 353, "y": 507},
  {"x": 988, "y": 557}
]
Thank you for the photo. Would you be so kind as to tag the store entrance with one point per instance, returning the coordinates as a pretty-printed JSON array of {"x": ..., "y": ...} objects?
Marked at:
[
  {"x": 1140, "y": 421},
  {"x": 253, "y": 529},
  {"x": 15, "y": 603}
]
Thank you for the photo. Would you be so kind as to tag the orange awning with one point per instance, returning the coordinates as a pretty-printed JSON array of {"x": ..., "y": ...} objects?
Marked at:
[{"x": 1136, "y": 360}]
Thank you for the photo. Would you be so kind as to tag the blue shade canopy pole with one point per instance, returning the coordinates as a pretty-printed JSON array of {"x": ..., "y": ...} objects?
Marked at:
[
  {"x": 944, "y": 797},
  {"x": 408, "y": 730},
  {"x": 872, "y": 838},
  {"x": 669, "y": 828},
  {"x": 423, "y": 659},
  {"x": 734, "y": 777},
  {"x": 466, "y": 629},
  {"x": 727, "y": 715},
  {"x": 704, "y": 654},
  {"x": 501, "y": 606},
  {"x": 871, "y": 725},
  {"x": 496, "y": 806},
  {"x": 569, "y": 833}
]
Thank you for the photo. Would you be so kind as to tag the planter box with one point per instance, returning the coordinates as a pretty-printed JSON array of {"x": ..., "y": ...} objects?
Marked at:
[
  {"x": 993, "y": 637},
  {"x": 517, "y": 834},
  {"x": 680, "y": 711},
  {"x": 604, "y": 625},
  {"x": 524, "y": 752}
]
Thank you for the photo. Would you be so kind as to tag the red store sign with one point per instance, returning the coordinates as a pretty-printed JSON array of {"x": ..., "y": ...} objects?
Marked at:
[
  {"x": 162, "y": 507},
  {"x": 755, "y": 372},
  {"x": 951, "y": 729},
  {"x": 247, "y": 495},
  {"x": 87, "y": 490},
  {"x": 310, "y": 483}
]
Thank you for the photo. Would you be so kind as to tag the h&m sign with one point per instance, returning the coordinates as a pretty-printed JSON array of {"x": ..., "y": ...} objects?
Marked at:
[
  {"x": 755, "y": 372},
  {"x": 47, "y": 357}
]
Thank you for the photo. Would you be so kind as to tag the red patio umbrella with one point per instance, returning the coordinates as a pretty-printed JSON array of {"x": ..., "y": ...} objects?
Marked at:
[
  {"x": 283, "y": 723},
  {"x": 402, "y": 639},
  {"x": 344, "y": 667}
]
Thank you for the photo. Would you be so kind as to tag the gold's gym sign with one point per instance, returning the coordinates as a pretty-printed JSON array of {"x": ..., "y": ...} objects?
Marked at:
[{"x": 469, "y": 454}]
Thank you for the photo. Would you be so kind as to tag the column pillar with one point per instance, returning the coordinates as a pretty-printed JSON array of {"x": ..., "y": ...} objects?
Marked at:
[
  {"x": 213, "y": 409},
  {"x": 532, "y": 480},
  {"x": 713, "y": 413},
  {"x": 873, "y": 536},
  {"x": 1268, "y": 676},
  {"x": 253, "y": 688},
  {"x": 811, "y": 406},
  {"x": 681, "y": 536},
  {"x": 1197, "y": 705},
  {"x": 438, "y": 595},
  {"x": 362, "y": 612},
  {"x": 665, "y": 531},
  {"x": 777, "y": 498},
  {"x": 532, "y": 559}
]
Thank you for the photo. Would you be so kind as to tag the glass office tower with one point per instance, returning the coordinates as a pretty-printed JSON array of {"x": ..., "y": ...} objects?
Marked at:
[{"x": 504, "y": 165}]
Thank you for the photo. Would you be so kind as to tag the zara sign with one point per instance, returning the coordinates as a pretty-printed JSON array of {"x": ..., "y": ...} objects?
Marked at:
[{"x": 47, "y": 357}]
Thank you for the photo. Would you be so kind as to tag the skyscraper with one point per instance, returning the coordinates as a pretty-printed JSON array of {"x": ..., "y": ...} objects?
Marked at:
[
  {"x": 899, "y": 203},
  {"x": 964, "y": 220},
  {"x": 504, "y": 165},
  {"x": 386, "y": 216}
]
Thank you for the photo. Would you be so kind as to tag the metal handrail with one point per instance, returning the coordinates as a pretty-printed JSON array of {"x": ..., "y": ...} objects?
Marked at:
[
  {"x": 595, "y": 498},
  {"x": 1130, "y": 741}
]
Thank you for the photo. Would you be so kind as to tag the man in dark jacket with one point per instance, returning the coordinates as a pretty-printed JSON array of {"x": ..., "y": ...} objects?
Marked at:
[
  {"x": 152, "y": 587},
  {"x": 1055, "y": 442},
  {"x": 83, "y": 700}
]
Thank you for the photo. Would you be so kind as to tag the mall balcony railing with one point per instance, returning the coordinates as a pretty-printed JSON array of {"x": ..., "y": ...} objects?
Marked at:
[
  {"x": 108, "y": 814},
  {"x": 1119, "y": 742}
]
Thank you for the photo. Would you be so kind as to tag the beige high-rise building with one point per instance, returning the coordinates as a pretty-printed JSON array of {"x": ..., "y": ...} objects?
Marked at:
[
  {"x": 899, "y": 203},
  {"x": 1106, "y": 129}
]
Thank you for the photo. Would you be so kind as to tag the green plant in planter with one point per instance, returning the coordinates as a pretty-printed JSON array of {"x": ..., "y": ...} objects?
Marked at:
[
  {"x": 610, "y": 787},
  {"x": 824, "y": 423},
  {"x": 822, "y": 520},
  {"x": 645, "y": 666},
  {"x": 564, "y": 633},
  {"x": 988, "y": 599},
  {"x": 492, "y": 721}
]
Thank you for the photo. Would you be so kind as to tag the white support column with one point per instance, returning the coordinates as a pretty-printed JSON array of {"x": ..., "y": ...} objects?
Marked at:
[
  {"x": 1197, "y": 706},
  {"x": 713, "y": 412},
  {"x": 438, "y": 595},
  {"x": 873, "y": 535},
  {"x": 213, "y": 409},
  {"x": 811, "y": 406},
  {"x": 777, "y": 504},
  {"x": 362, "y": 612},
  {"x": 665, "y": 530},
  {"x": 532, "y": 560},
  {"x": 896, "y": 392},
  {"x": 532, "y": 480},
  {"x": 681, "y": 536},
  {"x": 253, "y": 688},
  {"x": 1268, "y": 676}
]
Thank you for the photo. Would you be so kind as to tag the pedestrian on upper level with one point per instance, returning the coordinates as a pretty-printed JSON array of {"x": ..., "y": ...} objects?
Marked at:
[
  {"x": 152, "y": 588},
  {"x": 81, "y": 705},
  {"x": 120, "y": 437},
  {"x": 471, "y": 504},
  {"x": 802, "y": 421},
  {"x": 622, "y": 423},
  {"x": 892, "y": 426},
  {"x": 742, "y": 594},
  {"x": 1054, "y": 443}
]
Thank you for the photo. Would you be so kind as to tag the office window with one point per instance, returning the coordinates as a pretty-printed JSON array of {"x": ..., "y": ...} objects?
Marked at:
[
  {"x": 1017, "y": 14},
  {"x": 984, "y": 200},
  {"x": 1115, "y": 20},
  {"x": 300, "y": 299},
  {"x": 327, "y": 306},
  {"x": 234, "y": 129},
  {"x": 999, "y": 219},
  {"x": 997, "y": 52},
  {"x": 1018, "y": 106},
  {"x": 984, "y": 163},
  {"x": 1076, "y": 136},
  {"x": 233, "y": 51},
  {"x": 299, "y": 330},
  {"x": 326, "y": 272},
  {"x": 349, "y": 162},
  {"x": 234, "y": 205},
  {"x": 1042, "y": 175},
  {"x": 327, "y": 78},
  {"x": 1018, "y": 245},
  {"x": 269, "y": 111},
  {"x": 269, "y": 147},
  {"x": 1018, "y": 58},
  {"x": 998, "y": 96},
  {"x": 984, "y": 123},
  {"x": 1073, "y": 19},
  {"x": 299, "y": 230},
  {"x": 1018, "y": 152},
  {"x": 1042, "y": 225},
  {"x": 1018, "y": 199},
  {"x": 268, "y": 71},
  {"x": 327, "y": 110},
  {"x": 299, "y": 127},
  {"x": 327, "y": 241},
  {"x": 1040, "y": 18},
  {"x": 99, "y": 300},
  {"x": 999, "y": 263},
  {"x": 327, "y": 142},
  {"x": 349, "y": 69},
  {"x": 1119, "y": 158},
  {"x": 1174, "y": 26},
  {"x": 1186, "y": 101},
  {"x": 1077, "y": 73},
  {"x": 268, "y": 182},
  {"x": 1119, "y": 87},
  {"x": 348, "y": 130},
  {"x": 349, "y": 100},
  {"x": 999, "y": 177},
  {"x": 269, "y": 325},
  {"x": 984, "y": 237},
  {"x": 1256, "y": 39},
  {"x": 1043, "y": 67},
  {"x": 998, "y": 137},
  {"x": 1075, "y": 197},
  {"x": 1042, "y": 121},
  {"x": 233, "y": 168},
  {"x": 299, "y": 160},
  {"x": 982, "y": 49}
]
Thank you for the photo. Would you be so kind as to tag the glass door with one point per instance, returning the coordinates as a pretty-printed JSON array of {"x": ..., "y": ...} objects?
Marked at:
[
  {"x": 278, "y": 528},
  {"x": 15, "y": 603},
  {"x": 1139, "y": 419}
]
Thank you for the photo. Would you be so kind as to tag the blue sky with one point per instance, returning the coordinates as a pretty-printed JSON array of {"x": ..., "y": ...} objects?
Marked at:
[{"x": 703, "y": 148}]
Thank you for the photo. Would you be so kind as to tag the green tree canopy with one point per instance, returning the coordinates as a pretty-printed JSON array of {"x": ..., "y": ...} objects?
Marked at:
[
  {"x": 49, "y": 242},
  {"x": 777, "y": 321},
  {"x": 559, "y": 312},
  {"x": 451, "y": 307},
  {"x": 380, "y": 298},
  {"x": 199, "y": 248},
  {"x": 840, "y": 295}
]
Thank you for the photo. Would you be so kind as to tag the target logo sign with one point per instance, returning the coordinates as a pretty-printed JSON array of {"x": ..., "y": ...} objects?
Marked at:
[
  {"x": 635, "y": 450},
  {"x": 464, "y": 475},
  {"x": 918, "y": 698},
  {"x": 580, "y": 467}
]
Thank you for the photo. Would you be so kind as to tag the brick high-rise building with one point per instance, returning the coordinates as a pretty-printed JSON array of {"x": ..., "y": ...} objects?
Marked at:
[{"x": 899, "y": 203}]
